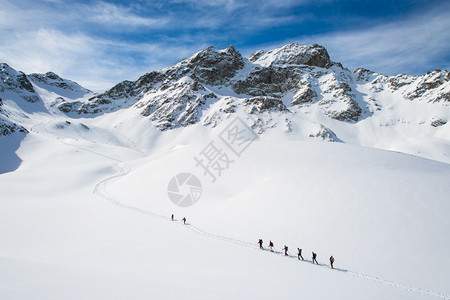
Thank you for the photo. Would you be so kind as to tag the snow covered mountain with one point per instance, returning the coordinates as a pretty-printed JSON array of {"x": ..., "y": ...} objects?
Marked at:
[
  {"x": 85, "y": 214},
  {"x": 21, "y": 96},
  {"x": 295, "y": 90},
  {"x": 294, "y": 75}
]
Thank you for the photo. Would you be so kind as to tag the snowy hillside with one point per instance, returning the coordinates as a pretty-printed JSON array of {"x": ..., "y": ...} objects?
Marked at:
[
  {"x": 287, "y": 146},
  {"x": 94, "y": 222}
]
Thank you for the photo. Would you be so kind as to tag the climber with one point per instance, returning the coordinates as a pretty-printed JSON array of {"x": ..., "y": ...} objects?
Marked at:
[
  {"x": 300, "y": 254},
  {"x": 271, "y": 246},
  {"x": 314, "y": 258}
]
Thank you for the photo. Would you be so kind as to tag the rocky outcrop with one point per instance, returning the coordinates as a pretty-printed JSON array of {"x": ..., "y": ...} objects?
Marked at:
[
  {"x": 362, "y": 74},
  {"x": 18, "y": 83},
  {"x": 293, "y": 54},
  {"x": 258, "y": 105},
  {"x": 438, "y": 122},
  {"x": 179, "y": 106},
  {"x": 304, "y": 94},
  {"x": 8, "y": 127},
  {"x": 52, "y": 79},
  {"x": 210, "y": 66},
  {"x": 112, "y": 100},
  {"x": 429, "y": 83},
  {"x": 325, "y": 134},
  {"x": 345, "y": 109},
  {"x": 338, "y": 100},
  {"x": 270, "y": 81}
]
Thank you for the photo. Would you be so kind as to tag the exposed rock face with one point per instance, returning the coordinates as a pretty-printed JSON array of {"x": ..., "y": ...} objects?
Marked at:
[
  {"x": 362, "y": 74},
  {"x": 344, "y": 110},
  {"x": 304, "y": 94},
  {"x": 216, "y": 67},
  {"x": 53, "y": 79},
  {"x": 120, "y": 96},
  {"x": 178, "y": 106},
  {"x": 270, "y": 81},
  {"x": 8, "y": 127},
  {"x": 144, "y": 84},
  {"x": 433, "y": 86},
  {"x": 325, "y": 134},
  {"x": 433, "y": 81},
  {"x": 294, "y": 54},
  {"x": 18, "y": 83},
  {"x": 438, "y": 122},
  {"x": 262, "y": 104},
  {"x": 210, "y": 66}
]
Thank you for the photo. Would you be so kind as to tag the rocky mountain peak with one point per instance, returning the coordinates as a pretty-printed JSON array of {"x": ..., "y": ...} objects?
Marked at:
[
  {"x": 17, "y": 82},
  {"x": 293, "y": 54},
  {"x": 363, "y": 74},
  {"x": 55, "y": 80},
  {"x": 6, "y": 69},
  {"x": 12, "y": 79},
  {"x": 231, "y": 50},
  {"x": 212, "y": 66}
]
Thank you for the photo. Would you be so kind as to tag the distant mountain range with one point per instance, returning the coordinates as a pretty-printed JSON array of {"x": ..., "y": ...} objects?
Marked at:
[{"x": 296, "y": 90}]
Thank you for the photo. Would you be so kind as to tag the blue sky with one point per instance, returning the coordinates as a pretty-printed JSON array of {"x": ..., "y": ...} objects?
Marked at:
[{"x": 100, "y": 43}]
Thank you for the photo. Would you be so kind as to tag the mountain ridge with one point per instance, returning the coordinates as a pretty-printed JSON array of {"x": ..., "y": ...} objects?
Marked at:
[{"x": 295, "y": 91}]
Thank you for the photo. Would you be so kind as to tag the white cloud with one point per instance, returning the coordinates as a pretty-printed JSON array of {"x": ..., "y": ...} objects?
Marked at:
[
  {"x": 413, "y": 46},
  {"x": 32, "y": 41},
  {"x": 95, "y": 63},
  {"x": 113, "y": 15},
  {"x": 229, "y": 5},
  {"x": 47, "y": 50},
  {"x": 243, "y": 16},
  {"x": 253, "y": 4}
]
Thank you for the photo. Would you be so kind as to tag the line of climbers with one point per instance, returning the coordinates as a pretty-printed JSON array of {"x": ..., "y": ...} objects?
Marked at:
[
  {"x": 285, "y": 248},
  {"x": 299, "y": 254}
]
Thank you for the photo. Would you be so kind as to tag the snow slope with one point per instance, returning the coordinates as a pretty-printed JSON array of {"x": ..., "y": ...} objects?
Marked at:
[{"x": 93, "y": 222}]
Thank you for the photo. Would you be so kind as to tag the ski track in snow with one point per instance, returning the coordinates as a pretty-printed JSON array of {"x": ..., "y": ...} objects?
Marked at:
[{"x": 101, "y": 191}]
